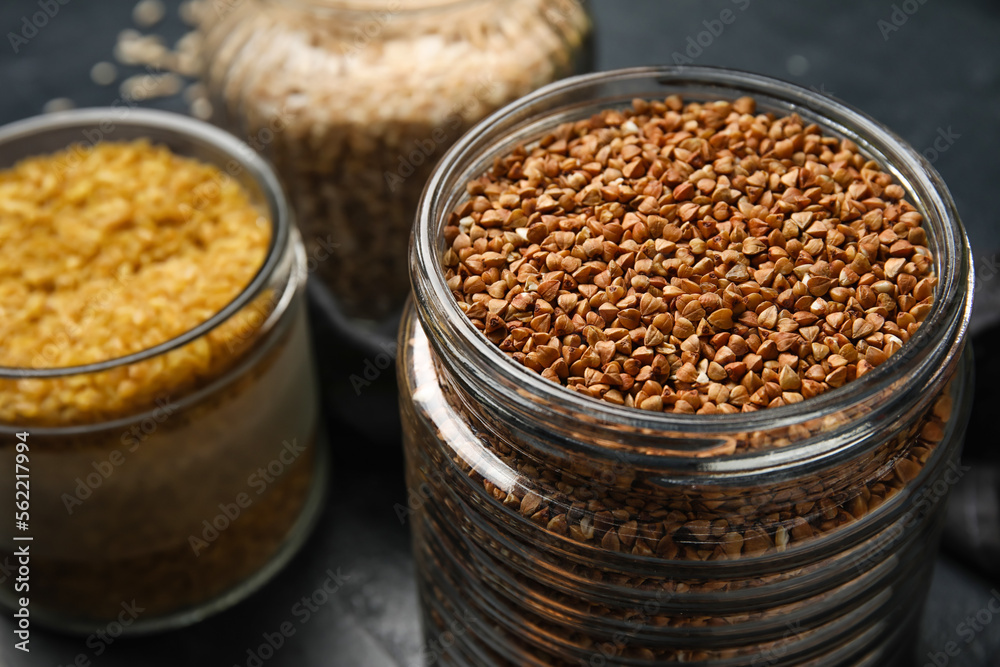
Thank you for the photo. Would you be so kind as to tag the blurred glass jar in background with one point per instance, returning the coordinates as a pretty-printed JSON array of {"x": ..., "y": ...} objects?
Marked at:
[{"x": 355, "y": 100}]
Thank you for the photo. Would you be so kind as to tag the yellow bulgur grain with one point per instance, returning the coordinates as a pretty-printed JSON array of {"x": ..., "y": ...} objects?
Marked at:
[{"x": 110, "y": 250}]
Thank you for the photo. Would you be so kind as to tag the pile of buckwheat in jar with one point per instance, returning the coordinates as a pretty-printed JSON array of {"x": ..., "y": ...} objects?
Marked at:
[{"x": 692, "y": 258}]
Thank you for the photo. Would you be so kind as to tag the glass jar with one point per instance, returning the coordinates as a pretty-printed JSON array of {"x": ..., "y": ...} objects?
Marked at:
[
  {"x": 354, "y": 101},
  {"x": 156, "y": 507},
  {"x": 553, "y": 529}
]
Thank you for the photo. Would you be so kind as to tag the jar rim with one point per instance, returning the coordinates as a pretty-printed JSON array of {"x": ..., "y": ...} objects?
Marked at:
[
  {"x": 449, "y": 329},
  {"x": 187, "y": 137},
  {"x": 365, "y": 7}
]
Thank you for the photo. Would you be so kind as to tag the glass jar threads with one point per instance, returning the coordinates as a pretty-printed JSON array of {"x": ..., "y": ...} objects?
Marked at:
[
  {"x": 168, "y": 467},
  {"x": 354, "y": 102},
  {"x": 556, "y": 529}
]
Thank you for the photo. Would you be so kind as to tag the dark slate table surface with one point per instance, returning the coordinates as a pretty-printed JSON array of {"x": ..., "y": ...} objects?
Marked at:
[{"x": 937, "y": 72}]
